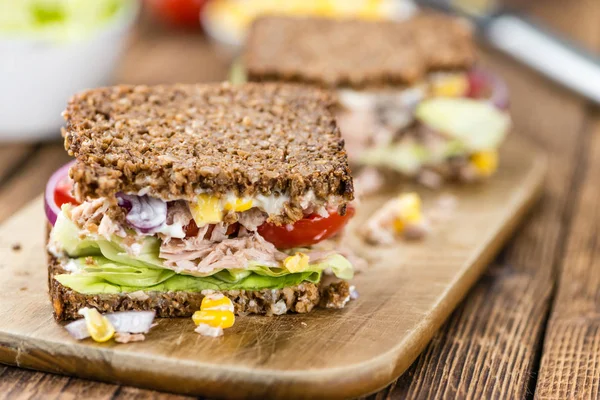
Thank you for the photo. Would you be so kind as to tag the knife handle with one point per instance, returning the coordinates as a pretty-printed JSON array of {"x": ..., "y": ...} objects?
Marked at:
[{"x": 545, "y": 52}]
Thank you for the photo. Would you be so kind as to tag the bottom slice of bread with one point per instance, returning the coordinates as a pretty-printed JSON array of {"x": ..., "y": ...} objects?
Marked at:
[{"x": 301, "y": 299}]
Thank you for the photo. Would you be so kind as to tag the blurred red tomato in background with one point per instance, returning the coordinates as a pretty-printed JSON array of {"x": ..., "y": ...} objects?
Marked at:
[{"x": 181, "y": 13}]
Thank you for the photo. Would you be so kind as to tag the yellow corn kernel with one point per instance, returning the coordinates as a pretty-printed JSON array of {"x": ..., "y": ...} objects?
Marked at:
[
  {"x": 215, "y": 318},
  {"x": 408, "y": 211},
  {"x": 409, "y": 207},
  {"x": 99, "y": 327},
  {"x": 206, "y": 210},
  {"x": 368, "y": 9},
  {"x": 317, "y": 8},
  {"x": 216, "y": 302},
  {"x": 238, "y": 205},
  {"x": 232, "y": 14},
  {"x": 296, "y": 263},
  {"x": 398, "y": 225},
  {"x": 450, "y": 86},
  {"x": 485, "y": 162},
  {"x": 372, "y": 10}
]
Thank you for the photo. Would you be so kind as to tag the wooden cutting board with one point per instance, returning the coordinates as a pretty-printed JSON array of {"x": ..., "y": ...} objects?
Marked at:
[{"x": 405, "y": 296}]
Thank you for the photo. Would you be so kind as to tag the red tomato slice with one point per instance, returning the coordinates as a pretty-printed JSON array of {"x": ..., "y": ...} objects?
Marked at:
[
  {"x": 305, "y": 232},
  {"x": 191, "y": 229},
  {"x": 479, "y": 85},
  {"x": 184, "y": 13},
  {"x": 62, "y": 192}
]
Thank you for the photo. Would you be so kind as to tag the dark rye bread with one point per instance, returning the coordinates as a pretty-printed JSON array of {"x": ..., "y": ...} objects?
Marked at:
[
  {"x": 301, "y": 299},
  {"x": 355, "y": 53},
  {"x": 174, "y": 141}
]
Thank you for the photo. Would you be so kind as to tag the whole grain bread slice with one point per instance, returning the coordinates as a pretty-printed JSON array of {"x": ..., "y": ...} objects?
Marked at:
[
  {"x": 176, "y": 141},
  {"x": 300, "y": 299},
  {"x": 356, "y": 53}
]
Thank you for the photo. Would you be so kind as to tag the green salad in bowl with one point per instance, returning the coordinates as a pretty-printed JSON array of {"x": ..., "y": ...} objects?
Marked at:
[
  {"x": 58, "y": 20},
  {"x": 50, "y": 50}
]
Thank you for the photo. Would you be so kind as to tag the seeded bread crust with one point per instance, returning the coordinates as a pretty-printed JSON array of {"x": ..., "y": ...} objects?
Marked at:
[
  {"x": 355, "y": 53},
  {"x": 301, "y": 299},
  {"x": 175, "y": 141}
]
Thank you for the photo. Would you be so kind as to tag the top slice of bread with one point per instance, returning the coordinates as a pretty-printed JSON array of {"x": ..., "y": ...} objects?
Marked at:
[
  {"x": 356, "y": 53},
  {"x": 175, "y": 141}
]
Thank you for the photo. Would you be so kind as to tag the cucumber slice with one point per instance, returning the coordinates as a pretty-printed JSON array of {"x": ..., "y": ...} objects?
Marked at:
[{"x": 476, "y": 124}]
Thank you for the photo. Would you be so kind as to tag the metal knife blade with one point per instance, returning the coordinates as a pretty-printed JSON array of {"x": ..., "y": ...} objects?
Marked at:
[{"x": 532, "y": 44}]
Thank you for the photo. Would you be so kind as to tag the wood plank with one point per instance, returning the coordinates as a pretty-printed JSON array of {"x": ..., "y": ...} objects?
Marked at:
[
  {"x": 16, "y": 383},
  {"x": 11, "y": 156},
  {"x": 35, "y": 385},
  {"x": 408, "y": 292},
  {"x": 22, "y": 384},
  {"x": 569, "y": 362},
  {"x": 570, "y": 365},
  {"x": 576, "y": 31},
  {"x": 127, "y": 393},
  {"x": 490, "y": 346},
  {"x": 25, "y": 183},
  {"x": 155, "y": 57},
  {"x": 30, "y": 180},
  {"x": 158, "y": 56},
  {"x": 577, "y": 22}
]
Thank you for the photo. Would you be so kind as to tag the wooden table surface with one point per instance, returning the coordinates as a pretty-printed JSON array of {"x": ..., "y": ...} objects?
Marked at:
[{"x": 530, "y": 328}]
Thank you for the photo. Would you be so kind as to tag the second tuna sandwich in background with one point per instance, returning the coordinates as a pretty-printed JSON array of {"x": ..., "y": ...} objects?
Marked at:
[
  {"x": 185, "y": 190},
  {"x": 411, "y": 99}
]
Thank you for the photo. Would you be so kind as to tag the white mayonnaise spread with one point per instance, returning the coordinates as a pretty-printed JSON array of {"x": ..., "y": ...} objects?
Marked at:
[
  {"x": 210, "y": 206},
  {"x": 71, "y": 266},
  {"x": 175, "y": 230},
  {"x": 368, "y": 100},
  {"x": 272, "y": 204}
]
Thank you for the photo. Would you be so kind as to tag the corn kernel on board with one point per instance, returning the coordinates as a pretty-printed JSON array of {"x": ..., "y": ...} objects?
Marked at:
[{"x": 405, "y": 296}]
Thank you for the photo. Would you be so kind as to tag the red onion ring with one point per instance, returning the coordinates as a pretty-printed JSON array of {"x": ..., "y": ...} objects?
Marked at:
[
  {"x": 146, "y": 213},
  {"x": 123, "y": 322},
  {"x": 52, "y": 210},
  {"x": 484, "y": 84}
]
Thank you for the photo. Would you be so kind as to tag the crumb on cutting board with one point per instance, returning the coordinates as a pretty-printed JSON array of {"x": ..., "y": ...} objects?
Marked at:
[
  {"x": 399, "y": 217},
  {"x": 404, "y": 217},
  {"x": 121, "y": 337},
  {"x": 368, "y": 181}
]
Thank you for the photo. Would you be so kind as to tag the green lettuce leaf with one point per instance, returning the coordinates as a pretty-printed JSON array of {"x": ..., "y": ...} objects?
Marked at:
[
  {"x": 232, "y": 275},
  {"x": 98, "y": 274},
  {"x": 339, "y": 265},
  {"x": 105, "y": 277},
  {"x": 406, "y": 157},
  {"x": 67, "y": 235},
  {"x": 476, "y": 124},
  {"x": 104, "y": 266},
  {"x": 146, "y": 257},
  {"x": 59, "y": 20},
  {"x": 119, "y": 274},
  {"x": 468, "y": 125}
]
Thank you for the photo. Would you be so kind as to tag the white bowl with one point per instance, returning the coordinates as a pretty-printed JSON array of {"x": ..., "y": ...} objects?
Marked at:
[
  {"x": 230, "y": 42},
  {"x": 37, "y": 77}
]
